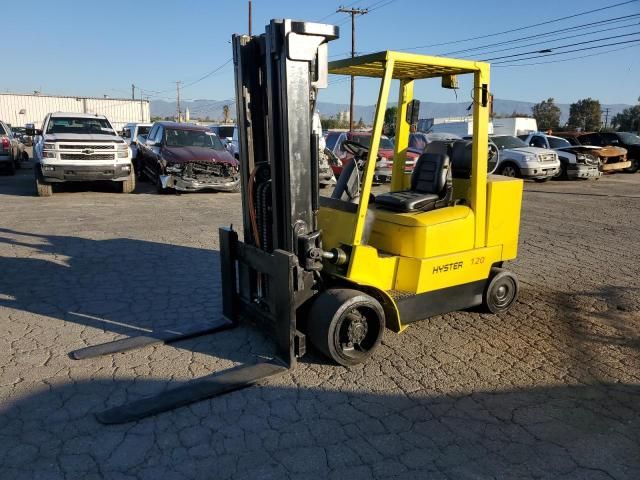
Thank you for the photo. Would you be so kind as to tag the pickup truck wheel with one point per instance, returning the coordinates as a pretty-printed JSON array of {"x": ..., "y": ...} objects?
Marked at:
[
  {"x": 43, "y": 189},
  {"x": 562, "y": 173},
  {"x": 635, "y": 166},
  {"x": 510, "y": 170},
  {"x": 129, "y": 185}
]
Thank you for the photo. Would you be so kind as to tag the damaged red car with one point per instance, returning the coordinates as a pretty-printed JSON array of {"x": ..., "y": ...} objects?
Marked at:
[{"x": 186, "y": 158}]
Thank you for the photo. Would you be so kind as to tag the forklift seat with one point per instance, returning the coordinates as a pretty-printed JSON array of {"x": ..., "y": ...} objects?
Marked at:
[{"x": 430, "y": 187}]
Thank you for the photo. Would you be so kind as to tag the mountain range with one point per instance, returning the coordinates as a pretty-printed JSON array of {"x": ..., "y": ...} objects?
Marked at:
[{"x": 214, "y": 109}]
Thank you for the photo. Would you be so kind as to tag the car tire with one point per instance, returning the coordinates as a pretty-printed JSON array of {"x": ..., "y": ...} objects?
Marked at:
[
  {"x": 562, "y": 173},
  {"x": 501, "y": 291},
  {"x": 25, "y": 157},
  {"x": 128, "y": 185},
  {"x": 542, "y": 180},
  {"x": 635, "y": 166},
  {"x": 346, "y": 325},
  {"x": 43, "y": 189},
  {"x": 510, "y": 170}
]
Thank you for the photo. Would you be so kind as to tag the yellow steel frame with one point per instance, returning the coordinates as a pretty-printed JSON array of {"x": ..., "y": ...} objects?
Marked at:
[{"x": 407, "y": 67}]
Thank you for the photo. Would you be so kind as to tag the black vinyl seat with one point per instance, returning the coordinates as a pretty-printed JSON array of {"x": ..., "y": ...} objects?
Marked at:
[{"x": 430, "y": 187}]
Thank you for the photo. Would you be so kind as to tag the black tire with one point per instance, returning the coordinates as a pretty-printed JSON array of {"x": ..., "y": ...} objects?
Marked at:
[
  {"x": 11, "y": 168},
  {"x": 346, "y": 325},
  {"x": 43, "y": 189},
  {"x": 510, "y": 170},
  {"x": 501, "y": 291},
  {"x": 635, "y": 166},
  {"x": 542, "y": 180},
  {"x": 562, "y": 173},
  {"x": 25, "y": 157},
  {"x": 128, "y": 185}
]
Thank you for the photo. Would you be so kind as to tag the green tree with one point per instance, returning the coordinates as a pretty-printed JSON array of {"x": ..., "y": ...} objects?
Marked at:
[
  {"x": 390, "y": 115},
  {"x": 547, "y": 114},
  {"x": 628, "y": 120},
  {"x": 333, "y": 122},
  {"x": 585, "y": 114}
]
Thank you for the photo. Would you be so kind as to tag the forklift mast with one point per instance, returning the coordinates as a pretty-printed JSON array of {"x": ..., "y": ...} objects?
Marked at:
[
  {"x": 275, "y": 270},
  {"x": 277, "y": 76}
]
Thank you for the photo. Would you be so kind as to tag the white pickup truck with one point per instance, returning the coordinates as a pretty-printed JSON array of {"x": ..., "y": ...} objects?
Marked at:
[
  {"x": 517, "y": 159},
  {"x": 76, "y": 147}
]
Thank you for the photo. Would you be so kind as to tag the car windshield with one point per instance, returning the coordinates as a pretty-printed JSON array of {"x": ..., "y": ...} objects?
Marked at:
[
  {"x": 192, "y": 138},
  {"x": 506, "y": 141},
  {"x": 558, "y": 142},
  {"x": 629, "y": 138},
  {"x": 365, "y": 140},
  {"x": 80, "y": 125},
  {"x": 331, "y": 139},
  {"x": 143, "y": 130}
]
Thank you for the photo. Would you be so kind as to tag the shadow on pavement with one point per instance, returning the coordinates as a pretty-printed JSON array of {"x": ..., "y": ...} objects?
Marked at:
[
  {"x": 121, "y": 286},
  {"x": 587, "y": 431}
]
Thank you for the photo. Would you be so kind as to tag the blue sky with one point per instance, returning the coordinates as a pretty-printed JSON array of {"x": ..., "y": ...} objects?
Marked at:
[{"x": 96, "y": 48}]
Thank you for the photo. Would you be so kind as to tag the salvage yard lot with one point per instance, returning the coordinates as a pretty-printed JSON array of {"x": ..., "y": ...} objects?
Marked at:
[{"x": 550, "y": 389}]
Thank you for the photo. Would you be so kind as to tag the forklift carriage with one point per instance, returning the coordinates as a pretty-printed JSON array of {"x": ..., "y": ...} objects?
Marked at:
[{"x": 338, "y": 270}]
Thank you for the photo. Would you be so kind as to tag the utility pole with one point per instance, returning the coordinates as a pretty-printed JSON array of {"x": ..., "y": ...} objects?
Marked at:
[
  {"x": 606, "y": 117},
  {"x": 249, "y": 17},
  {"x": 353, "y": 12},
  {"x": 133, "y": 92},
  {"x": 178, "y": 99}
]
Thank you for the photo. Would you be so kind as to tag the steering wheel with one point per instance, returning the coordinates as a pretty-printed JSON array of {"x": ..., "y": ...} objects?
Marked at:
[
  {"x": 356, "y": 149},
  {"x": 493, "y": 157}
]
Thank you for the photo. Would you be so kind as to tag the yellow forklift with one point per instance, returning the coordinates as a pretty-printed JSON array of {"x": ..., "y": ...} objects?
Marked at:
[{"x": 335, "y": 271}]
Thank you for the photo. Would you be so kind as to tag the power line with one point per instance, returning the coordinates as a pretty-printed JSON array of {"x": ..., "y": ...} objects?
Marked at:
[
  {"x": 212, "y": 72},
  {"x": 547, "y": 22},
  {"x": 571, "y": 51},
  {"x": 559, "y": 39},
  {"x": 548, "y": 50},
  {"x": 508, "y": 65},
  {"x": 545, "y": 34}
]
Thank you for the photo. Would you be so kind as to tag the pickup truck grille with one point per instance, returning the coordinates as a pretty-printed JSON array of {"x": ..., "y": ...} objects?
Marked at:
[
  {"x": 76, "y": 146},
  {"x": 547, "y": 157},
  {"x": 82, "y": 156}
]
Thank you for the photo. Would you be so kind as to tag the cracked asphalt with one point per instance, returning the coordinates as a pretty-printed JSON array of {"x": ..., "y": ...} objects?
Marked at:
[{"x": 549, "y": 390}]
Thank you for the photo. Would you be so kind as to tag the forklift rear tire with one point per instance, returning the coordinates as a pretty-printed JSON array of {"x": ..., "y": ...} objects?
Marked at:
[
  {"x": 346, "y": 325},
  {"x": 501, "y": 291}
]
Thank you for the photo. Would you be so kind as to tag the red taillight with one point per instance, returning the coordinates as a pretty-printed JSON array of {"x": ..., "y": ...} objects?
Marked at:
[{"x": 5, "y": 143}]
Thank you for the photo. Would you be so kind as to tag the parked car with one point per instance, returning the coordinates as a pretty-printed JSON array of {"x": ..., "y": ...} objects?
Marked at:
[
  {"x": 187, "y": 157},
  {"x": 228, "y": 133},
  {"x": 628, "y": 141},
  {"x": 575, "y": 161},
  {"x": 517, "y": 159},
  {"x": 612, "y": 158},
  {"x": 326, "y": 178},
  {"x": 11, "y": 150},
  {"x": 384, "y": 164},
  {"x": 80, "y": 147},
  {"x": 131, "y": 132}
]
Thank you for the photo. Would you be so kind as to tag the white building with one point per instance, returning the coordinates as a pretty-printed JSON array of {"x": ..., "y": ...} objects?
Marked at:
[{"x": 20, "y": 109}]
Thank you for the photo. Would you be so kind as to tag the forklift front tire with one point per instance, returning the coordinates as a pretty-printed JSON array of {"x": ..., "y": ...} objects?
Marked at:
[
  {"x": 346, "y": 325},
  {"x": 501, "y": 291}
]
